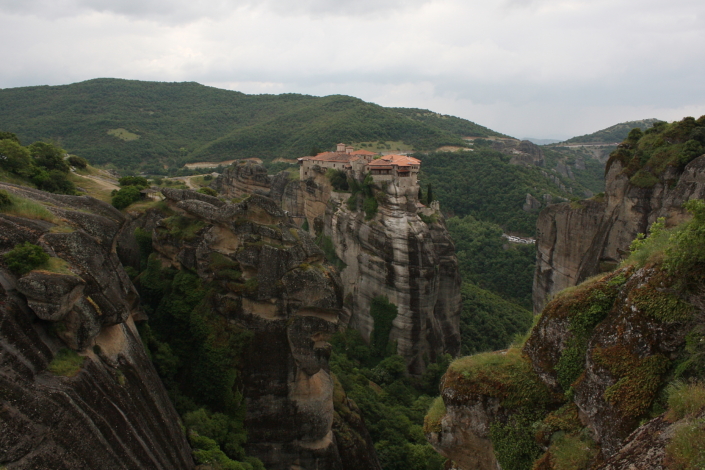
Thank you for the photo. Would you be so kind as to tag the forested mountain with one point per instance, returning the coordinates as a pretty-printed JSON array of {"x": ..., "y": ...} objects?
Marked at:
[
  {"x": 613, "y": 134},
  {"x": 151, "y": 124}
]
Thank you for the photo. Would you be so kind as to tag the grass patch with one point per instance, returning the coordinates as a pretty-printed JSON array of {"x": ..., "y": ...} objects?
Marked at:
[
  {"x": 28, "y": 208},
  {"x": 66, "y": 363},
  {"x": 432, "y": 420},
  {"x": 57, "y": 265},
  {"x": 569, "y": 452},
  {"x": 123, "y": 134},
  {"x": 93, "y": 188},
  {"x": 685, "y": 400},
  {"x": 685, "y": 450},
  {"x": 507, "y": 376}
]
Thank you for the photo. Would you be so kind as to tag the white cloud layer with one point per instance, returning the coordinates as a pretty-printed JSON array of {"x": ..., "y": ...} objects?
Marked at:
[{"x": 538, "y": 68}]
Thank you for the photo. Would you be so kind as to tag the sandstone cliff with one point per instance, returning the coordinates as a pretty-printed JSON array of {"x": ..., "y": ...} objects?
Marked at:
[
  {"x": 266, "y": 277},
  {"x": 396, "y": 254},
  {"x": 578, "y": 240},
  {"x": 77, "y": 388}
]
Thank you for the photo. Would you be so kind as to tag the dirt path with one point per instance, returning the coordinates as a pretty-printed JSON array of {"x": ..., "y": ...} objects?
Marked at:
[
  {"x": 102, "y": 182},
  {"x": 187, "y": 181}
]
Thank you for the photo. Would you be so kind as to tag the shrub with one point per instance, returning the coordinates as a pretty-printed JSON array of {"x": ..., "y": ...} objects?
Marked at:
[
  {"x": 432, "y": 421},
  {"x": 66, "y": 363},
  {"x": 24, "y": 258},
  {"x": 133, "y": 181},
  {"x": 514, "y": 444},
  {"x": 338, "y": 179},
  {"x": 5, "y": 200},
  {"x": 208, "y": 191},
  {"x": 370, "y": 207},
  {"x": 77, "y": 162},
  {"x": 126, "y": 196}
]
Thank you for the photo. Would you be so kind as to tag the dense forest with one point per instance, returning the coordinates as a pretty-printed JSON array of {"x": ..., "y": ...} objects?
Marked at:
[
  {"x": 485, "y": 185},
  {"x": 149, "y": 125},
  {"x": 612, "y": 134}
]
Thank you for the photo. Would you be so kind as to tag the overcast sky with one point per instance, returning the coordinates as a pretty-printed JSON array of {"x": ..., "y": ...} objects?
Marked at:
[{"x": 528, "y": 68}]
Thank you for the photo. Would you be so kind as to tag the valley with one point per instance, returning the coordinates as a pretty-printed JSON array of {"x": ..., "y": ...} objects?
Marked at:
[{"x": 427, "y": 294}]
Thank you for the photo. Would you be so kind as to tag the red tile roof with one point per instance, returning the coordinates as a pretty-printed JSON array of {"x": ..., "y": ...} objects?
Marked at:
[
  {"x": 364, "y": 152},
  {"x": 331, "y": 157},
  {"x": 398, "y": 160}
]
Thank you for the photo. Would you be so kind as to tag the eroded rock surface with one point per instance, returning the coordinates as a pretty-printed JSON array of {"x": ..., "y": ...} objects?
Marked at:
[
  {"x": 395, "y": 254},
  {"x": 111, "y": 412},
  {"x": 577, "y": 240},
  {"x": 275, "y": 286}
]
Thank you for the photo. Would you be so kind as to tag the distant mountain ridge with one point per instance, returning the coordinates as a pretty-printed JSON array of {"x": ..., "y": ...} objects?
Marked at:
[
  {"x": 613, "y": 134},
  {"x": 149, "y": 125}
]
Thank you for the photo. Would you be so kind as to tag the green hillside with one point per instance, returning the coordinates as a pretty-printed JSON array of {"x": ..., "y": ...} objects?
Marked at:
[
  {"x": 613, "y": 134},
  {"x": 135, "y": 124}
]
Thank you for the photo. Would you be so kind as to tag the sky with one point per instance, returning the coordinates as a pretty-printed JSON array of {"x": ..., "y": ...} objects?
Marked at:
[{"x": 526, "y": 68}]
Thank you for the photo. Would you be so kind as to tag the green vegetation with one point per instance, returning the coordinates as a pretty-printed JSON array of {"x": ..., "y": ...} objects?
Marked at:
[
  {"x": 392, "y": 403},
  {"x": 208, "y": 191},
  {"x": 24, "y": 258},
  {"x": 484, "y": 185},
  {"x": 383, "y": 312},
  {"x": 126, "y": 196},
  {"x": 646, "y": 155},
  {"x": 585, "y": 307},
  {"x": 41, "y": 165},
  {"x": 338, "y": 179},
  {"x": 514, "y": 445},
  {"x": 326, "y": 244},
  {"x": 484, "y": 261},
  {"x": 197, "y": 353},
  {"x": 488, "y": 322},
  {"x": 27, "y": 208},
  {"x": 685, "y": 399},
  {"x": 432, "y": 420},
  {"x": 66, "y": 363},
  {"x": 147, "y": 125},
  {"x": 5, "y": 200},
  {"x": 613, "y": 134}
]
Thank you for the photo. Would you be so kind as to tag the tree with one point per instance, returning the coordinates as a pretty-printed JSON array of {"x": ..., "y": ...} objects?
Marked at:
[
  {"x": 49, "y": 156},
  {"x": 24, "y": 258},
  {"x": 9, "y": 136},
  {"x": 126, "y": 196},
  {"x": 429, "y": 194},
  {"x": 14, "y": 157}
]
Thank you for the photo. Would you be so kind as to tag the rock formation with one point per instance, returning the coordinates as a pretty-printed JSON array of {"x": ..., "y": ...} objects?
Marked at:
[
  {"x": 578, "y": 240},
  {"x": 602, "y": 354},
  {"x": 268, "y": 278},
  {"x": 77, "y": 388},
  {"x": 396, "y": 254}
]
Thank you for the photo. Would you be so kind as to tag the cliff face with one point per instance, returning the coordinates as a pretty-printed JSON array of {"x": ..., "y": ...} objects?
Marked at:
[
  {"x": 577, "y": 240},
  {"x": 267, "y": 278},
  {"x": 603, "y": 352},
  {"x": 394, "y": 254},
  {"x": 104, "y": 407}
]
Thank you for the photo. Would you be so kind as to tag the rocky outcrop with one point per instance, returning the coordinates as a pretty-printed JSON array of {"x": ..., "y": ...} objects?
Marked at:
[
  {"x": 77, "y": 388},
  {"x": 605, "y": 349},
  {"x": 578, "y": 240},
  {"x": 409, "y": 261},
  {"x": 394, "y": 254},
  {"x": 268, "y": 278}
]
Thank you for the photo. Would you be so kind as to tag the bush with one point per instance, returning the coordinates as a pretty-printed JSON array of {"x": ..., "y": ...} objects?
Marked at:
[
  {"x": 133, "y": 181},
  {"x": 338, "y": 179},
  {"x": 370, "y": 207},
  {"x": 5, "y": 200},
  {"x": 208, "y": 191},
  {"x": 24, "y": 258},
  {"x": 432, "y": 421},
  {"x": 126, "y": 196},
  {"x": 77, "y": 162}
]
